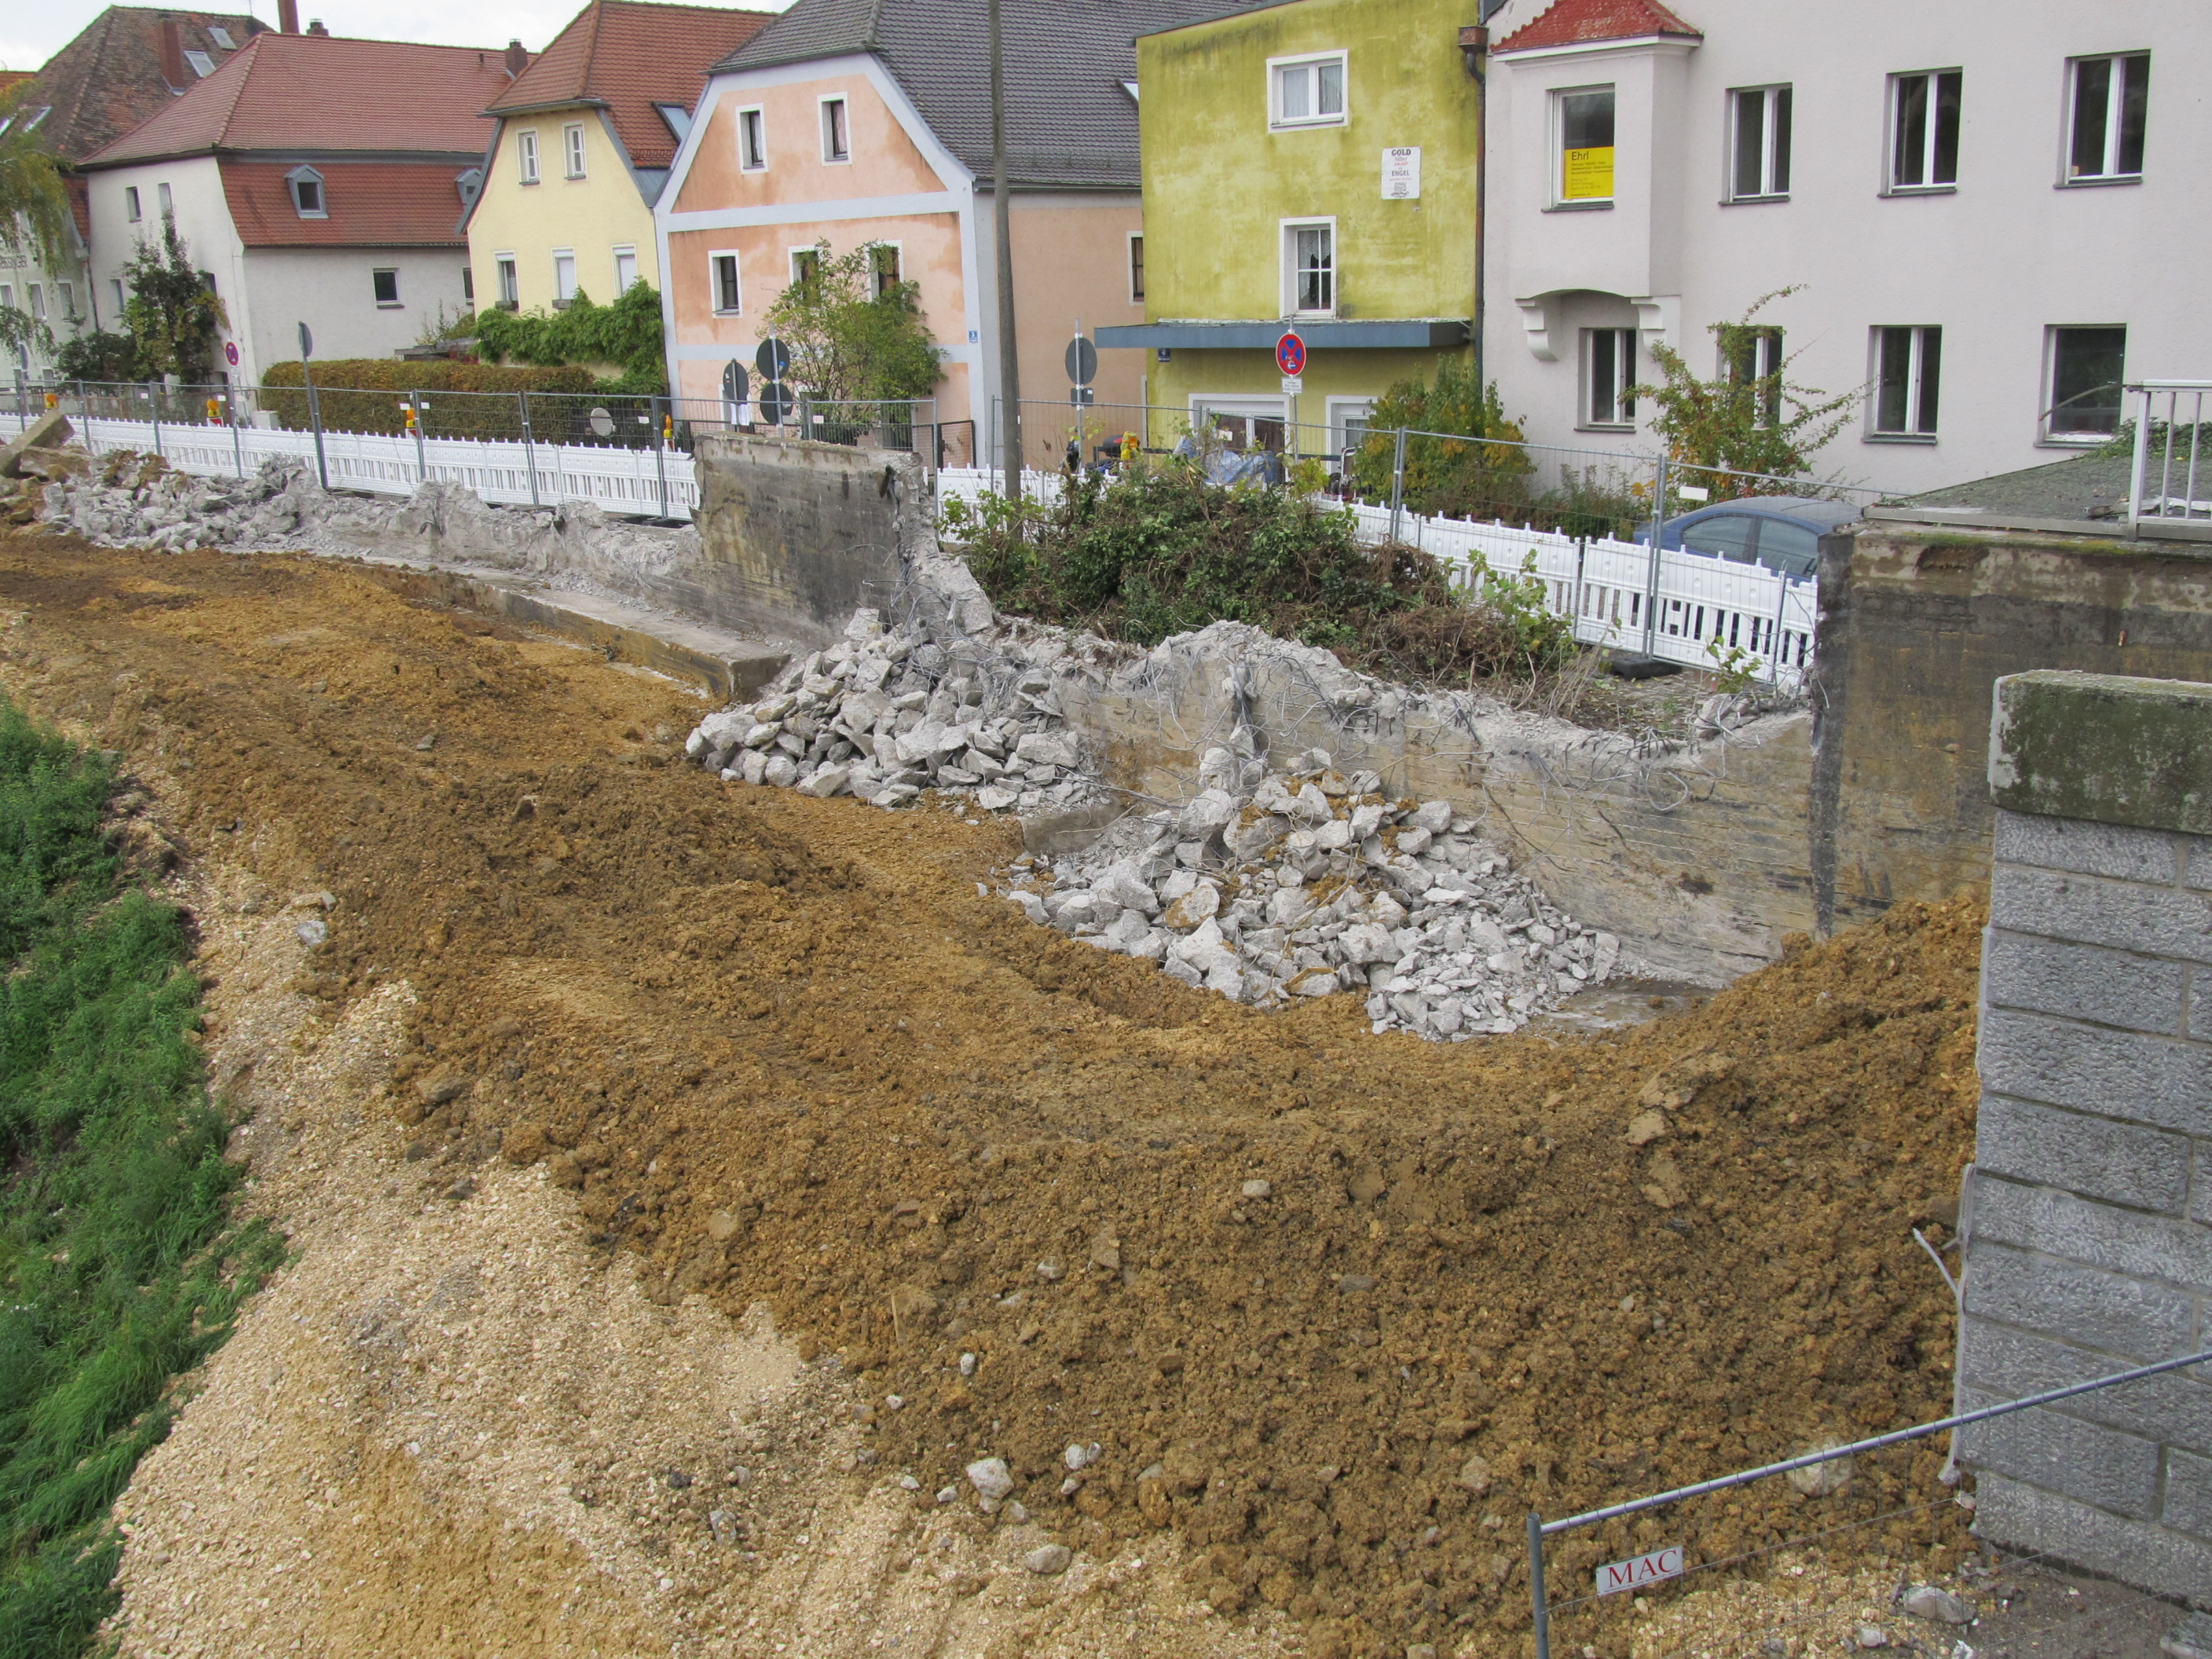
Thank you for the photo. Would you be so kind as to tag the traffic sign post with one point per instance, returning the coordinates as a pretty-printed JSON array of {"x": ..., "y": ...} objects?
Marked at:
[{"x": 314, "y": 406}]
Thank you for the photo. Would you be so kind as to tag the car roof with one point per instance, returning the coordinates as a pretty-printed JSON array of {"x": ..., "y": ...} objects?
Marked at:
[{"x": 1780, "y": 507}]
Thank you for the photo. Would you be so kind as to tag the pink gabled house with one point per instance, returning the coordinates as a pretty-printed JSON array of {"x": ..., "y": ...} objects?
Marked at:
[{"x": 855, "y": 121}]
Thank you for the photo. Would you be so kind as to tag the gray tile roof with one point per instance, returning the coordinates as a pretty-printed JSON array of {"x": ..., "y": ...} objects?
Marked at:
[{"x": 1069, "y": 123}]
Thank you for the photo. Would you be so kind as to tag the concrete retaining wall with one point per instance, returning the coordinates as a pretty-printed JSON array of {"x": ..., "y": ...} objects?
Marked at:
[{"x": 2089, "y": 1245}]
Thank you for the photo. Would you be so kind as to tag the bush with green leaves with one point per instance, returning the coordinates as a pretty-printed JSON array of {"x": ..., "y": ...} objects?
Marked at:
[
  {"x": 119, "y": 1268},
  {"x": 98, "y": 356},
  {"x": 171, "y": 311},
  {"x": 856, "y": 333},
  {"x": 625, "y": 335},
  {"x": 1445, "y": 475}
]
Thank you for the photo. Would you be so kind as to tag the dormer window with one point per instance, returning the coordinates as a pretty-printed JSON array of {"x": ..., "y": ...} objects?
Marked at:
[
  {"x": 677, "y": 119},
  {"x": 203, "y": 65},
  {"x": 221, "y": 36},
  {"x": 470, "y": 183},
  {"x": 308, "y": 198}
]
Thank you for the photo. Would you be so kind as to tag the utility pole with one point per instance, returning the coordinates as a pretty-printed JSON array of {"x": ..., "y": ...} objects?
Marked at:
[
  {"x": 1010, "y": 368},
  {"x": 1474, "y": 53}
]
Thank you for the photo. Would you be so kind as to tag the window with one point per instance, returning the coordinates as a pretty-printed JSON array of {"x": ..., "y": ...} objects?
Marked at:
[
  {"x": 510, "y": 288},
  {"x": 1924, "y": 150},
  {"x": 1608, "y": 371},
  {"x": 525, "y": 156},
  {"x": 1348, "y": 420},
  {"x": 7, "y": 297},
  {"x": 168, "y": 201},
  {"x": 1728, "y": 536},
  {"x": 625, "y": 269},
  {"x": 221, "y": 36},
  {"x": 2086, "y": 368},
  {"x": 752, "y": 139},
  {"x": 1759, "y": 135},
  {"x": 572, "y": 148},
  {"x": 130, "y": 209},
  {"x": 883, "y": 262},
  {"x": 115, "y": 287},
  {"x": 564, "y": 277},
  {"x": 1907, "y": 372},
  {"x": 1753, "y": 357},
  {"x": 469, "y": 284},
  {"x": 677, "y": 118},
  {"x": 36, "y": 294},
  {"x": 805, "y": 265},
  {"x": 727, "y": 293},
  {"x": 2110, "y": 97},
  {"x": 1306, "y": 92},
  {"x": 308, "y": 200},
  {"x": 837, "y": 142},
  {"x": 1310, "y": 269},
  {"x": 1584, "y": 121},
  {"x": 68, "y": 292},
  {"x": 387, "y": 285},
  {"x": 203, "y": 65},
  {"x": 1137, "y": 266}
]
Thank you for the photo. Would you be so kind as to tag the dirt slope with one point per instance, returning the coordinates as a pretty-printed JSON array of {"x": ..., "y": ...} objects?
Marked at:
[{"x": 770, "y": 1050}]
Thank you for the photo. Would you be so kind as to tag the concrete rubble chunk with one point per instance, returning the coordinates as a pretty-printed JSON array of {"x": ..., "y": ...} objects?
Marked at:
[{"x": 991, "y": 1478}]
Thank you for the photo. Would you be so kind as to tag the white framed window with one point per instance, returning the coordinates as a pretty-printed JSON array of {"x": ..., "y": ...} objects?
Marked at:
[
  {"x": 564, "y": 277},
  {"x": 572, "y": 149},
  {"x": 7, "y": 297},
  {"x": 1758, "y": 143},
  {"x": 221, "y": 36},
  {"x": 168, "y": 201},
  {"x": 886, "y": 266},
  {"x": 385, "y": 282},
  {"x": 36, "y": 293},
  {"x": 115, "y": 287},
  {"x": 1608, "y": 371},
  {"x": 2083, "y": 367},
  {"x": 752, "y": 139},
  {"x": 1924, "y": 130},
  {"x": 836, "y": 133},
  {"x": 308, "y": 199},
  {"x": 625, "y": 270},
  {"x": 1348, "y": 419},
  {"x": 525, "y": 156},
  {"x": 203, "y": 65},
  {"x": 805, "y": 264},
  {"x": 68, "y": 292},
  {"x": 1310, "y": 267},
  {"x": 510, "y": 286},
  {"x": 1136, "y": 265},
  {"x": 1755, "y": 358},
  {"x": 1907, "y": 380},
  {"x": 131, "y": 211},
  {"x": 1244, "y": 423},
  {"x": 1307, "y": 91},
  {"x": 722, "y": 273},
  {"x": 1581, "y": 146},
  {"x": 2107, "y": 101},
  {"x": 469, "y": 284}
]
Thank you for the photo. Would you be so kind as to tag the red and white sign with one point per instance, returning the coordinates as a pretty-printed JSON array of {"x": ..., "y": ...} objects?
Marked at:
[
  {"x": 230, "y": 352},
  {"x": 1640, "y": 1569},
  {"x": 1290, "y": 354}
]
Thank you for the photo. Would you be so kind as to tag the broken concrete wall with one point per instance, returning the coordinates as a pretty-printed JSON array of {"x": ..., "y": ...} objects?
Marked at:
[
  {"x": 1916, "y": 622},
  {"x": 2089, "y": 1231}
]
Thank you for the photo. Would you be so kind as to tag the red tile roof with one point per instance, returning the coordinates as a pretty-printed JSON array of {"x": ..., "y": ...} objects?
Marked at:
[
  {"x": 626, "y": 57},
  {"x": 320, "y": 92},
  {"x": 108, "y": 79},
  {"x": 1580, "y": 22},
  {"x": 371, "y": 203}
]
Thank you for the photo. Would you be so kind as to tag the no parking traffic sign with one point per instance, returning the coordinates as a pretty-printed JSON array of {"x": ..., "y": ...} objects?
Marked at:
[{"x": 1290, "y": 354}]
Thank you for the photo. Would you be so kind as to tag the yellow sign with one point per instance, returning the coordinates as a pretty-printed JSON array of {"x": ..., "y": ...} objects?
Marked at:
[{"x": 1586, "y": 175}]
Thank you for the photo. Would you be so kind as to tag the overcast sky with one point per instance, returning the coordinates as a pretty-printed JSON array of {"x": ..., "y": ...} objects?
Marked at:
[{"x": 30, "y": 33}]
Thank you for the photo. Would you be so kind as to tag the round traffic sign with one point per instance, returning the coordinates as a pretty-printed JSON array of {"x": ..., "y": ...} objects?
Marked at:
[
  {"x": 772, "y": 359},
  {"x": 230, "y": 352},
  {"x": 1290, "y": 354},
  {"x": 1082, "y": 361},
  {"x": 735, "y": 383},
  {"x": 774, "y": 403}
]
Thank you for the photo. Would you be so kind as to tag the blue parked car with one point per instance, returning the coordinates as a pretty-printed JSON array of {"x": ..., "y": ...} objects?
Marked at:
[{"x": 1781, "y": 532}]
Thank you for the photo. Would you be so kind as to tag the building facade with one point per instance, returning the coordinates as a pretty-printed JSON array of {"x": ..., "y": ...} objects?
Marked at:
[
  {"x": 848, "y": 122},
  {"x": 314, "y": 179},
  {"x": 585, "y": 138},
  {"x": 1981, "y": 211},
  {"x": 1309, "y": 166}
]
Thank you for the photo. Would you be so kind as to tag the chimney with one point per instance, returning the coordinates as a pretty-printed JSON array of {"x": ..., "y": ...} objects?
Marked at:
[
  {"x": 315, "y": 26},
  {"x": 173, "y": 55},
  {"x": 517, "y": 59},
  {"x": 288, "y": 16}
]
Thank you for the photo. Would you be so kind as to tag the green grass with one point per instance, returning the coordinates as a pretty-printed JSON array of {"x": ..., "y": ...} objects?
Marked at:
[{"x": 119, "y": 1267}]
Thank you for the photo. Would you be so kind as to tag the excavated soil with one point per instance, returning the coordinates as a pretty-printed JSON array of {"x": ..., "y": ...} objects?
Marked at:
[{"x": 637, "y": 1128}]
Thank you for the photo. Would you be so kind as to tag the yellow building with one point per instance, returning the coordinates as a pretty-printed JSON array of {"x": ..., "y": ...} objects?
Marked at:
[{"x": 585, "y": 137}]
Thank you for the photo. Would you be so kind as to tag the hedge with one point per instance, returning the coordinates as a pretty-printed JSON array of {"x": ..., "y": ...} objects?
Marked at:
[{"x": 363, "y": 394}]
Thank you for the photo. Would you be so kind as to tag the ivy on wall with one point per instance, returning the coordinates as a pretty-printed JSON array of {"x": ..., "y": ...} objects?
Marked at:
[{"x": 626, "y": 334}]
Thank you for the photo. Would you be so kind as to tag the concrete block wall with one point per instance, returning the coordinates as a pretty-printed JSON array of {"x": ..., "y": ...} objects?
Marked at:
[{"x": 2089, "y": 1236}]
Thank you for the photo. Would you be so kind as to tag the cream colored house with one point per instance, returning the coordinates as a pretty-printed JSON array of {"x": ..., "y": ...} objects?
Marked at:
[{"x": 585, "y": 137}]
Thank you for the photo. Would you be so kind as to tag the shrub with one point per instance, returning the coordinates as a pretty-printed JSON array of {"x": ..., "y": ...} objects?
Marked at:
[
  {"x": 855, "y": 333},
  {"x": 363, "y": 394},
  {"x": 1464, "y": 480},
  {"x": 98, "y": 356},
  {"x": 626, "y": 334}
]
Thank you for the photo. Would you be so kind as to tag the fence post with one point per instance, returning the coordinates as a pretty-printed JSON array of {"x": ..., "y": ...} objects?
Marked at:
[
  {"x": 1398, "y": 484},
  {"x": 315, "y": 420},
  {"x": 1536, "y": 1594},
  {"x": 153, "y": 392},
  {"x": 659, "y": 456},
  {"x": 237, "y": 444},
  {"x": 529, "y": 448},
  {"x": 1651, "y": 569},
  {"x": 415, "y": 420}
]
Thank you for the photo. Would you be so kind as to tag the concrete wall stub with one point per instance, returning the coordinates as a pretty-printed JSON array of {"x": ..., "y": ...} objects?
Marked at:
[{"x": 2089, "y": 1246}]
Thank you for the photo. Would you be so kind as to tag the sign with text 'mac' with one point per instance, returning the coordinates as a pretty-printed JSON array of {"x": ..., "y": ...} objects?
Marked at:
[{"x": 1640, "y": 1569}]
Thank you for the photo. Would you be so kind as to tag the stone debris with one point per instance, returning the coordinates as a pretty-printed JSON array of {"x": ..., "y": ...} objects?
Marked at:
[
  {"x": 1932, "y": 1602},
  {"x": 884, "y": 713}
]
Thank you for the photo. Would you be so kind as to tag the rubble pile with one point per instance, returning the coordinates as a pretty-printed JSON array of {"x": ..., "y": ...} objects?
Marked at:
[
  {"x": 1274, "y": 884},
  {"x": 885, "y": 713},
  {"x": 122, "y": 498}
]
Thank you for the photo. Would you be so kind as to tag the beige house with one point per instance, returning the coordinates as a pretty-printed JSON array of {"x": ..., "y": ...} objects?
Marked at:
[{"x": 586, "y": 137}]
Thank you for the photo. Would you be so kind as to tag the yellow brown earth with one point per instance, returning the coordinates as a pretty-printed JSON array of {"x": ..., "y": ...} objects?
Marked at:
[{"x": 655, "y": 1149}]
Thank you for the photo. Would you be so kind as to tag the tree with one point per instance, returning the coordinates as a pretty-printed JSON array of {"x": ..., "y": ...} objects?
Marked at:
[
  {"x": 34, "y": 215},
  {"x": 854, "y": 329},
  {"x": 173, "y": 313},
  {"x": 1743, "y": 421},
  {"x": 1443, "y": 475}
]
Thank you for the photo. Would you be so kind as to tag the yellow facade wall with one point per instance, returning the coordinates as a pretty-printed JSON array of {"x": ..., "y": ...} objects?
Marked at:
[{"x": 591, "y": 216}]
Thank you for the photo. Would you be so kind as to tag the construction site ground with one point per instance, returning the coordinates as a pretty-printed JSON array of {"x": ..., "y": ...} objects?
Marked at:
[{"x": 653, "y": 1150}]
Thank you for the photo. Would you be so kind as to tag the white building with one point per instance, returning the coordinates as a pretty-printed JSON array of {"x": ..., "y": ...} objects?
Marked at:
[
  {"x": 1993, "y": 214},
  {"x": 315, "y": 181}
]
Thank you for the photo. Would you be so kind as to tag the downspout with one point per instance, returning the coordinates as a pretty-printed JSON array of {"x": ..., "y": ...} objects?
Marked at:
[{"x": 1474, "y": 53}]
